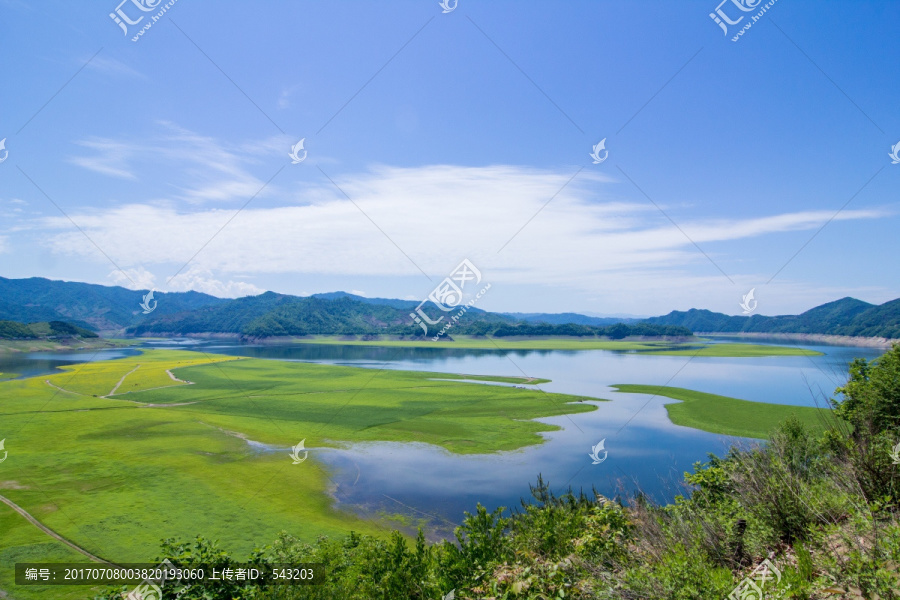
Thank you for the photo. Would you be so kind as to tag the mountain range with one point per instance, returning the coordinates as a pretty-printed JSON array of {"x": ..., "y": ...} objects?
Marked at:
[
  {"x": 272, "y": 314},
  {"x": 847, "y": 316},
  {"x": 117, "y": 310},
  {"x": 96, "y": 307}
]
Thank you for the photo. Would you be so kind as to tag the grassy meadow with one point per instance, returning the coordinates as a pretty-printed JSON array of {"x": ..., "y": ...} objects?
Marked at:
[
  {"x": 115, "y": 473},
  {"x": 23, "y": 542},
  {"x": 730, "y": 416}
]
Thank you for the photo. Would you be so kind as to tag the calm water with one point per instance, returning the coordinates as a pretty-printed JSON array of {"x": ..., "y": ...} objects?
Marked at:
[
  {"x": 646, "y": 451},
  {"x": 33, "y": 364}
]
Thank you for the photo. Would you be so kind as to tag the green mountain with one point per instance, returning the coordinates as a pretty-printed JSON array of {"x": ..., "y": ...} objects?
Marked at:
[
  {"x": 117, "y": 309},
  {"x": 568, "y": 317},
  {"x": 847, "y": 316},
  {"x": 97, "y": 307},
  {"x": 396, "y": 303},
  {"x": 878, "y": 321},
  {"x": 272, "y": 314}
]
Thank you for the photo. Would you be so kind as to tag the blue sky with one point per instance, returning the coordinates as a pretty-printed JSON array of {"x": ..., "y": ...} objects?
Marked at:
[{"x": 435, "y": 137}]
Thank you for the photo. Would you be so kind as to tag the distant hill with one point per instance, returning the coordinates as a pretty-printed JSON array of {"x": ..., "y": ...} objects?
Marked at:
[
  {"x": 847, "y": 316},
  {"x": 551, "y": 318},
  {"x": 13, "y": 330},
  {"x": 407, "y": 305},
  {"x": 394, "y": 302},
  {"x": 96, "y": 307},
  {"x": 272, "y": 314},
  {"x": 117, "y": 309},
  {"x": 563, "y": 318}
]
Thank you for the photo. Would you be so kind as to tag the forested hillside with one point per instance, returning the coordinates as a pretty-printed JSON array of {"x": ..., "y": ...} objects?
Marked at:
[
  {"x": 111, "y": 308},
  {"x": 847, "y": 316},
  {"x": 99, "y": 307},
  {"x": 273, "y": 314}
]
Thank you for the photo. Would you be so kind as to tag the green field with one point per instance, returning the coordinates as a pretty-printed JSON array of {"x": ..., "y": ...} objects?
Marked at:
[
  {"x": 23, "y": 542},
  {"x": 729, "y": 416},
  {"x": 700, "y": 347},
  {"x": 164, "y": 458}
]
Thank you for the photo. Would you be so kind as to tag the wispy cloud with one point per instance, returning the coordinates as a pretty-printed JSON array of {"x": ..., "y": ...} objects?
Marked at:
[
  {"x": 110, "y": 158},
  {"x": 203, "y": 168},
  {"x": 111, "y": 65},
  {"x": 284, "y": 98},
  {"x": 585, "y": 239}
]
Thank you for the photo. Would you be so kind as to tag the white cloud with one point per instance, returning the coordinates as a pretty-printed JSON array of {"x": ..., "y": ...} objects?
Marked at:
[
  {"x": 202, "y": 280},
  {"x": 585, "y": 239},
  {"x": 137, "y": 278},
  {"x": 284, "y": 98},
  {"x": 216, "y": 172},
  {"x": 111, "y": 65},
  {"x": 203, "y": 169},
  {"x": 195, "y": 278},
  {"x": 111, "y": 158}
]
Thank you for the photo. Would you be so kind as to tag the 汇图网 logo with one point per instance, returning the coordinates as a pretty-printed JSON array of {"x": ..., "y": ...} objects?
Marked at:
[
  {"x": 724, "y": 20},
  {"x": 295, "y": 155},
  {"x": 895, "y": 153},
  {"x": 296, "y": 450},
  {"x": 596, "y": 450},
  {"x": 121, "y": 18},
  {"x": 895, "y": 453},
  {"x": 448, "y": 295},
  {"x": 145, "y": 303},
  {"x": 748, "y": 303},
  {"x": 146, "y": 591},
  {"x": 600, "y": 147},
  {"x": 751, "y": 587}
]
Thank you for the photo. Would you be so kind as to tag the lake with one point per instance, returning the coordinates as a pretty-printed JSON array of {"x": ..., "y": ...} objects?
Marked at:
[{"x": 645, "y": 450}]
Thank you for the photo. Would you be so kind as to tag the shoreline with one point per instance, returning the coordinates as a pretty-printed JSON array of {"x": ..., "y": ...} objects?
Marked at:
[
  {"x": 63, "y": 344},
  {"x": 465, "y": 340},
  {"x": 662, "y": 346},
  {"x": 831, "y": 340}
]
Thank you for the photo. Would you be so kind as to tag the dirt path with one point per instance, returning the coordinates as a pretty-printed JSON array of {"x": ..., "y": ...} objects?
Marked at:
[
  {"x": 53, "y": 385},
  {"x": 52, "y": 533},
  {"x": 178, "y": 380},
  {"x": 122, "y": 380}
]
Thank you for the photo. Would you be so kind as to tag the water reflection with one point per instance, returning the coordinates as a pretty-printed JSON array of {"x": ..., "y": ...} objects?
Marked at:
[{"x": 646, "y": 451}]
